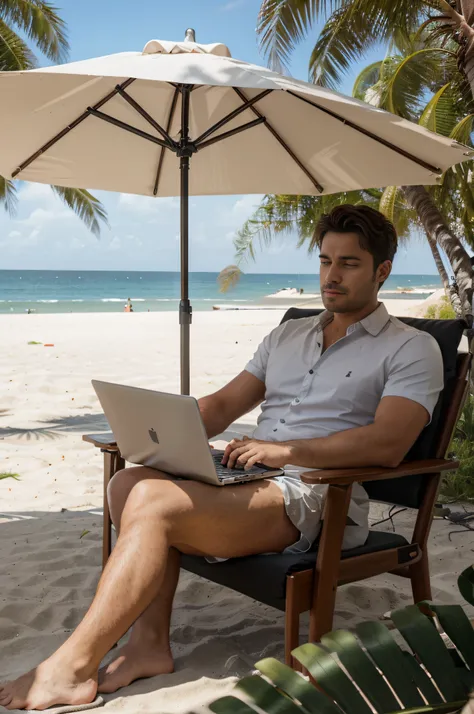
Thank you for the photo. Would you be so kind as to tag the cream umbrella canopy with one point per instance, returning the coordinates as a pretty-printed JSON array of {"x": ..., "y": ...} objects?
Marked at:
[{"x": 184, "y": 118}]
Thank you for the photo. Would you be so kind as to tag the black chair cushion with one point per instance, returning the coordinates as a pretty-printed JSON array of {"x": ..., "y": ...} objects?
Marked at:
[
  {"x": 409, "y": 491},
  {"x": 263, "y": 577}
]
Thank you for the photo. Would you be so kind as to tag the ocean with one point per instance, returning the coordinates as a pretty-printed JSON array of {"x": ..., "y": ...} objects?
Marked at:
[{"x": 49, "y": 291}]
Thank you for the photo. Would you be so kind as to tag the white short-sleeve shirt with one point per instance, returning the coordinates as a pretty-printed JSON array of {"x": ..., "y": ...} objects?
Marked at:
[{"x": 310, "y": 394}]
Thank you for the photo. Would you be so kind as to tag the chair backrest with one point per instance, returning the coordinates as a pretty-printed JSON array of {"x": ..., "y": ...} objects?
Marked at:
[{"x": 434, "y": 441}]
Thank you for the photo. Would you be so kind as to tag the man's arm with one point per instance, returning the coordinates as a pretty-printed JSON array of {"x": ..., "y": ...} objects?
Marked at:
[
  {"x": 415, "y": 380},
  {"x": 238, "y": 397},
  {"x": 398, "y": 423}
]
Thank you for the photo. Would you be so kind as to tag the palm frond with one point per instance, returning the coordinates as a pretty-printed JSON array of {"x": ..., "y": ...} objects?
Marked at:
[
  {"x": 284, "y": 23},
  {"x": 394, "y": 207},
  {"x": 229, "y": 277},
  {"x": 344, "y": 39},
  {"x": 440, "y": 114},
  {"x": 41, "y": 23},
  {"x": 463, "y": 130},
  {"x": 14, "y": 52},
  {"x": 369, "y": 669},
  {"x": 85, "y": 206},
  {"x": 366, "y": 79},
  {"x": 404, "y": 81},
  {"x": 8, "y": 195},
  {"x": 388, "y": 202}
]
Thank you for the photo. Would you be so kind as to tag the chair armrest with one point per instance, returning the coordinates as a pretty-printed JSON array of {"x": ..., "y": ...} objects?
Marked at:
[
  {"x": 102, "y": 441},
  {"x": 407, "y": 468}
]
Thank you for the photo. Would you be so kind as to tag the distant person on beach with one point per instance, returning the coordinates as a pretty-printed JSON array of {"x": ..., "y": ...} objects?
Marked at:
[
  {"x": 128, "y": 306},
  {"x": 301, "y": 291},
  {"x": 351, "y": 387}
]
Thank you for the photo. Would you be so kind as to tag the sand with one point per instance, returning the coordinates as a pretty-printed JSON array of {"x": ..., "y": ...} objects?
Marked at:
[{"x": 50, "y": 520}]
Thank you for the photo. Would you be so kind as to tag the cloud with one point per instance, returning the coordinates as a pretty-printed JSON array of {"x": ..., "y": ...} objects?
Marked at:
[
  {"x": 36, "y": 191},
  {"x": 40, "y": 216},
  {"x": 146, "y": 204},
  {"x": 245, "y": 206},
  {"x": 115, "y": 243}
]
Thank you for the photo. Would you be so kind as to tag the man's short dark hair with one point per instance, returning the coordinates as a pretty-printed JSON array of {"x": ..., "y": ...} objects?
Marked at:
[{"x": 377, "y": 234}]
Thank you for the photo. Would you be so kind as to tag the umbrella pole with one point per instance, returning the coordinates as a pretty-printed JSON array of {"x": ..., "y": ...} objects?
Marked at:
[{"x": 185, "y": 309}]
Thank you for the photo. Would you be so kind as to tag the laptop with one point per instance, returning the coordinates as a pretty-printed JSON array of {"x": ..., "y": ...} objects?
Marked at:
[{"x": 166, "y": 432}]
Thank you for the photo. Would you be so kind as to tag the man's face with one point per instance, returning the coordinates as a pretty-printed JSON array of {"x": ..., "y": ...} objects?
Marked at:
[{"x": 348, "y": 281}]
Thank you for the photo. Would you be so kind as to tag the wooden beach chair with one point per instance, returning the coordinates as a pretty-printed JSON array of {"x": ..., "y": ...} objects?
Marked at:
[{"x": 308, "y": 581}]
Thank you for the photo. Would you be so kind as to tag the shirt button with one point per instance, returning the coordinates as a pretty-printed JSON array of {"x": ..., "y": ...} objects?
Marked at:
[
  {"x": 297, "y": 401},
  {"x": 311, "y": 371},
  {"x": 282, "y": 421}
]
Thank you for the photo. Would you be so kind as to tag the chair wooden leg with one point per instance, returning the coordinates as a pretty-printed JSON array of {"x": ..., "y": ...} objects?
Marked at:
[
  {"x": 420, "y": 579},
  {"x": 292, "y": 624},
  {"x": 329, "y": 558},
  {"x": 113, "y": 462}
]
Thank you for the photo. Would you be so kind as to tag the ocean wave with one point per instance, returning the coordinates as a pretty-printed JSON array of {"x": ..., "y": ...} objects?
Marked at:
[
  {"x": 113, "y": 300},
  {"x": 45, "y": 301},
  {"x": 409, "y": 291}
]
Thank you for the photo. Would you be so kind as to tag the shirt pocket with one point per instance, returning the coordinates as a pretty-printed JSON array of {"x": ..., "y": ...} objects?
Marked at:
[{"x": 359, "y": 391}]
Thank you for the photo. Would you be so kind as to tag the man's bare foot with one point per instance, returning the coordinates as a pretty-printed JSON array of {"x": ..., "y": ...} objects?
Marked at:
[
  {"x": 134, "y": 661},
  {"x": 52, "y": 682}
]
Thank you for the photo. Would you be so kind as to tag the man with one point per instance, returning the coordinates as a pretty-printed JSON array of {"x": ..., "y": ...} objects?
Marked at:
[{"x": 353, "y": 387}]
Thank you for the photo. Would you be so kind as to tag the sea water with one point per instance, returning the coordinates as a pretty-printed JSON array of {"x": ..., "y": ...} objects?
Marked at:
[{"x": 49, "y": 291}]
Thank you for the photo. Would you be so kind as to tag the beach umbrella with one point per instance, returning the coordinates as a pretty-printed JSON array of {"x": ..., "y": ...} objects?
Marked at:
[{"x": 183, "y": 118}]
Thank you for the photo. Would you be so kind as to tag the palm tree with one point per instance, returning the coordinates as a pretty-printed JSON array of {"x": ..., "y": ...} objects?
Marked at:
[
  {"x": 39, "y": 22},
  {"x": 354, "y": 26},
  {"x": 399, "y": 83},
  {"x": 429, "y": 64}
]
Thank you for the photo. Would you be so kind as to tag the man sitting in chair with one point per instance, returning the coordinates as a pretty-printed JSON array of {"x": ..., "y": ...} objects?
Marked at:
[{"x": 352, "y": 387}]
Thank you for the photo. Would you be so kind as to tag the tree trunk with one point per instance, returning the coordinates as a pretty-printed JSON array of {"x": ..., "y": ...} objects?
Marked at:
[
  {"x": 439, "y": 263},
  {"x": 449, "y": 289},
  {"x": 435, "y": 226},
  {"x": 462, "y": 19}
]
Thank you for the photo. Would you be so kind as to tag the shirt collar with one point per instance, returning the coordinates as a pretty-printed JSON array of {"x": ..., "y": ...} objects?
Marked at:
[
  {"x": 376, "y": 321},
  {"x": 373, "y": 323}
]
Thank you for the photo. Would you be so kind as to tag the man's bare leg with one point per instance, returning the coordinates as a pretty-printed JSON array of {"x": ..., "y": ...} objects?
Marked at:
[
  {"x": 158, "y": 515},
  {"x": 148, "y": 651}
]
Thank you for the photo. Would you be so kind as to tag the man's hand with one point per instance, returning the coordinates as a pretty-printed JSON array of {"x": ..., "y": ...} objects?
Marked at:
[{"x": 247, "y": 452}]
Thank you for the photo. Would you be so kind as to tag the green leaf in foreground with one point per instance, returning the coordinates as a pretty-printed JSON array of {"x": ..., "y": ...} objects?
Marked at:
[
  {"x": 466, "y": 585},
  {"x": 84, "y": 533},
  {"x": 9, "y": 475},
  {"x": 32, "y": 342}
]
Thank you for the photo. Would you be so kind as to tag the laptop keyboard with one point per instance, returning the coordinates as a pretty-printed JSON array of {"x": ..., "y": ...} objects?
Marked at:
[{"x": 224, "y": 471}]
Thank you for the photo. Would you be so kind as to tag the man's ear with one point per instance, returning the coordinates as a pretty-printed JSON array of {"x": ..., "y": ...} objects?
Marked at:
[{"x": 384, "y": 271}]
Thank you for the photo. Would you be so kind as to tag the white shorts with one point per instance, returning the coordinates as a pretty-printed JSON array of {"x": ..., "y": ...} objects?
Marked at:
[{"x": 304, "y": 505}]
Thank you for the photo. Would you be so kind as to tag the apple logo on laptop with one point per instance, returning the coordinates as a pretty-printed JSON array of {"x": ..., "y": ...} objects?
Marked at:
[{"x": 153, "y": 436}]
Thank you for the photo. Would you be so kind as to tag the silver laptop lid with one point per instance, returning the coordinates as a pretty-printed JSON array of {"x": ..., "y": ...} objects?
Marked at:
[{"x": 157, "y": 429}]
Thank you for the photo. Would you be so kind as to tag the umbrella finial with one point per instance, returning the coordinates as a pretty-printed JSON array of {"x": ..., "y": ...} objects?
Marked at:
[{"x": 190, "y": 35}]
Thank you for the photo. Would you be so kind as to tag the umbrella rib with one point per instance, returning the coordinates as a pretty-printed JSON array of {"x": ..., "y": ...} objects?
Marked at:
[
  {"x": 168, "y": 129},
  {"x": 138, "y": 108},
  {"x": 127, "y": 127},
  {"x": 283, "y": 143},
  {"x": 248, "y": 104},
  {"x": 69, "y": 128},
  {"x": 232, "y": 132},
  {"x": 366, "y": 132}
]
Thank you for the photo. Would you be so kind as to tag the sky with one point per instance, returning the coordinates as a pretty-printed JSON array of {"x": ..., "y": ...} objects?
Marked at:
[{"x": 144, "y": 232}]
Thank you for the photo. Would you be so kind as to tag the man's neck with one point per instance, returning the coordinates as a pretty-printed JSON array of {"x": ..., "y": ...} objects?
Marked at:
[{"x": 343, "y": 320}]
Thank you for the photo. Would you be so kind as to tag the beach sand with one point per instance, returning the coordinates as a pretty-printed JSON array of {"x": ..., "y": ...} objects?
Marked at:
[{"x": 50, "y": 520}]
